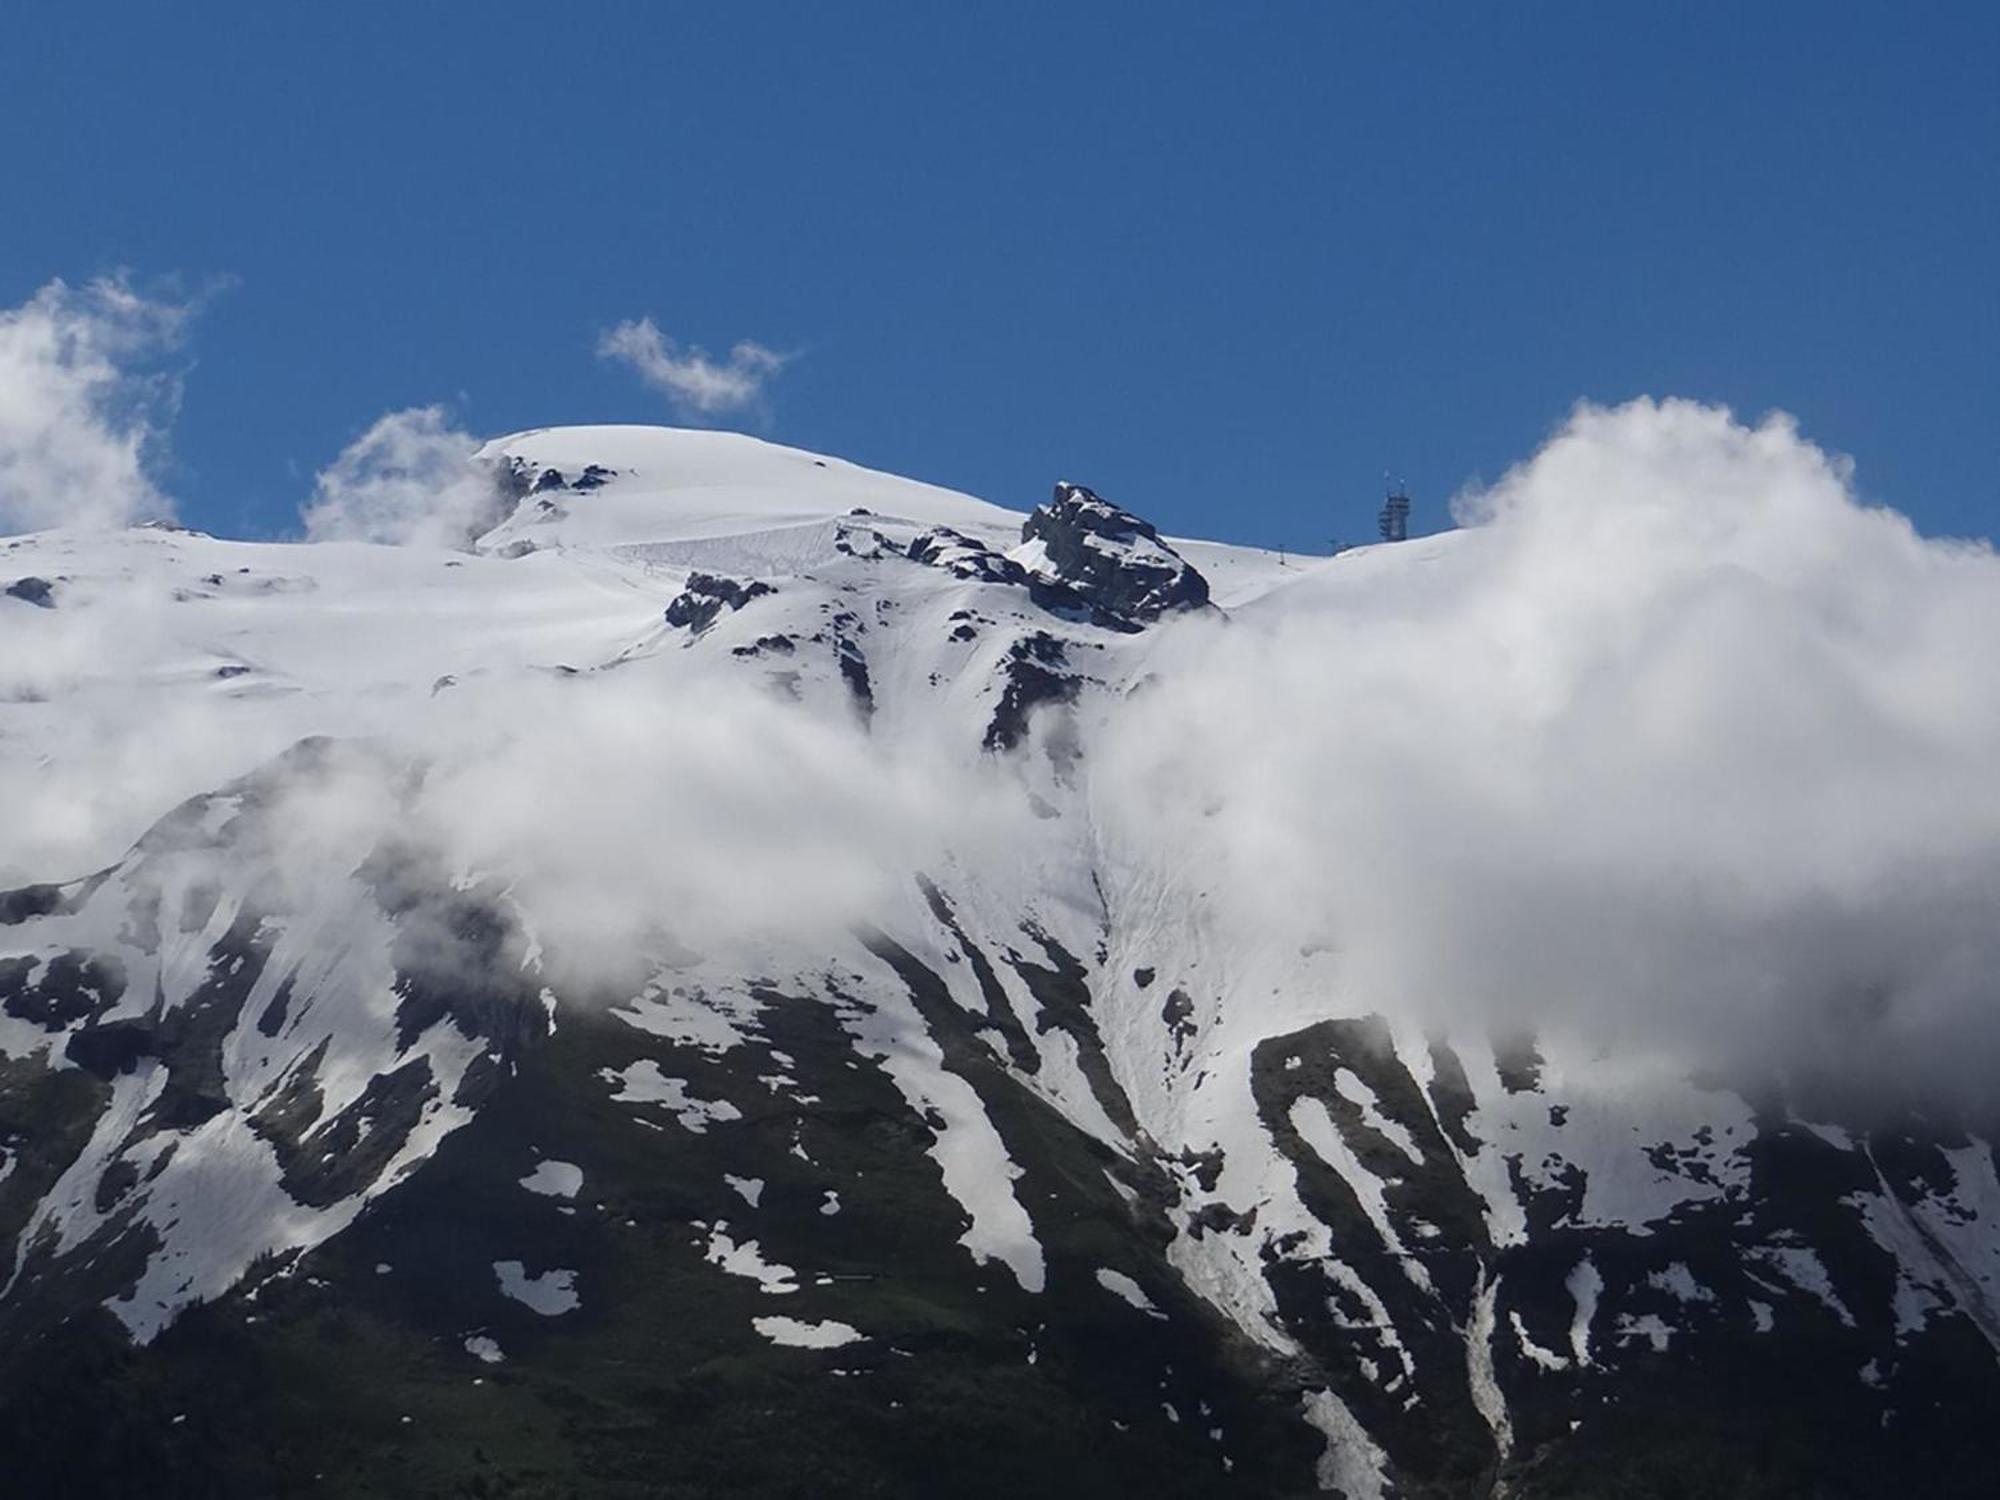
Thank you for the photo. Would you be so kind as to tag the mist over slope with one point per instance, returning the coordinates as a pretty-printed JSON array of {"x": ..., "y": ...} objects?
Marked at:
[{"x": 1347, "y": 1022}]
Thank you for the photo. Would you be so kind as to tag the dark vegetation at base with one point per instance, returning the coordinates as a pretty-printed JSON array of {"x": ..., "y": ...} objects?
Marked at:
[{"x": 299, "y": 1382}]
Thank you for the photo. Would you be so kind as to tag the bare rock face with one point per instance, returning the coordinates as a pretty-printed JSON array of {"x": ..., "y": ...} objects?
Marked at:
[
  {"x": 706, "y": 596},
  {"x": 1113, "y": 558},
  {"x": 962, "y": 557}
]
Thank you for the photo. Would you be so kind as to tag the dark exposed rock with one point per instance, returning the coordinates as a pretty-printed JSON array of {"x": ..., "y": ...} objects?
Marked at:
[
  {"x": 853, "y": 665},
  {"x": 1178, "y": 1016},
  {"x": 1062, "y": 991},
  {"x": 962, "y": 557},
  {"x": 70, "y": 987},
  {"x": 1112, "y": 558},
  {"x": 1036, "y": 672},
  {"x": 119, "y": 1179},
  {"x": 999, "y": 1009},
  {"x": 115, "y": 1047},
  {"x": 707, "y": 594},
  {"x": 36, "y": 591},
  {"x": 345, "y": 1154},
  {"x": 27, "y": 902},
  {"x": 272, "y": 1019}
]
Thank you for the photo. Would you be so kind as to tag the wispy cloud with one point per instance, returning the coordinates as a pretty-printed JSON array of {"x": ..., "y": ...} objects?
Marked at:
[
  {"x": 410, "y": 479},
  {"x": 83, "y": 404},
  {"x": 694, "y": 382}
]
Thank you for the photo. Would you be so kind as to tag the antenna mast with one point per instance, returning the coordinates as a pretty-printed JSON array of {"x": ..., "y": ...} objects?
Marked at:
[{"x": 1395, "y": 518}]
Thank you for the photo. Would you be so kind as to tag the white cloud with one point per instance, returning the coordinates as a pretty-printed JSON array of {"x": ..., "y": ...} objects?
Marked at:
[
  {"x": 82, "y": 405},
  {"x": 692, "y": 380},
  {"x": 410, "y": 480},
  {"x": 1680, "y": 746}
]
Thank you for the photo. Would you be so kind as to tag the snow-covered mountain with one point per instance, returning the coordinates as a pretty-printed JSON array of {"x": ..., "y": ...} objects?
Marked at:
[{"x": 881, "y": 1119}]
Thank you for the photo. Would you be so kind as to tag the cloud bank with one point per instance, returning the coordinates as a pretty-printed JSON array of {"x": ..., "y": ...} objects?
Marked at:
[
  {"x": 83, "y": 404},
  {"x": 1677, "y": 745},
  {"x": 695, "y": 383}
]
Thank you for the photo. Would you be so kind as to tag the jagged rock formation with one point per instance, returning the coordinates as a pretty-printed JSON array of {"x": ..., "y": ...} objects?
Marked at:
[
  {"x": 37, "y": 591},
  {"x": 1112, "y": 558}
]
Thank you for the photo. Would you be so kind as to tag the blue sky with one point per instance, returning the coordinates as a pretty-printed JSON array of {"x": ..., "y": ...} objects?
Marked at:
[{"x": 1224, "y": 263}]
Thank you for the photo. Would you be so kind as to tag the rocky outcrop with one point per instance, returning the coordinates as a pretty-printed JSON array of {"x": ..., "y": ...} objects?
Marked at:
[
  {"x": 706, "y": 596},
  {"x": 962, "y": 557},
  {"x": 1112, "y": 558},
  {"x": 36, "y": 591}
]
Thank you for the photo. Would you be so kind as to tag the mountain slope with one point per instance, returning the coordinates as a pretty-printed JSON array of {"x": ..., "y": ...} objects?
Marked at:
[{"x": 348, "y": 1153}]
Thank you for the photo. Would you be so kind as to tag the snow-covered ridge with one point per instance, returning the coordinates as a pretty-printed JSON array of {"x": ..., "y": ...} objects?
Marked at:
[{"x": 674, "y": 485}]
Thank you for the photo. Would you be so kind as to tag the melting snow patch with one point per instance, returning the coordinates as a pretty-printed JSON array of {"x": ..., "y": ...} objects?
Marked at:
[
  {"x": 1548, "y": 1359},
  {"x": 550, "y": 1294},
  {"x": 1487, "y": 1397},
  {"x": 1353, "y": 1464},
  {"x": 796, "y": 1334},
  {"x": 1802, "y": 1268},
  {"x": 747, "y": 1260},
  {"x": 1650, "y": 1327},
  {"x": 554, "y": 1179},
  {"x": 1126, "y": 1289},
  {"x": 968, "y": 1150},
  {"x": 691, "y": 1016},
  {"x": 1310, "y": 1119},
  {"x": 832, "y": 1204},
  {"x": 750, "y": 1189},
  {"x": 1584, "y": 1285},
  {"x": 1350, "y": 1086},
  {"x": 644, "y": 1083},
  {"x": 1678, "y": 1281},
  {"x": 484, "y": 1350}
]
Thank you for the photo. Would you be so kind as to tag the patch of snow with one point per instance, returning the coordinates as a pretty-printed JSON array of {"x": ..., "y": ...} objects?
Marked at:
[
  {"x": 977, "y": 1170},
  {"x": 1650, "y": 1327},
  {"x": 1351, "y": 1087},
  {"x": 1802, "y": 1267},
  {"x": 797, "y": 1334},
  {"x": 1316, "y": 1126},
  {"x": 643, "y": 1083},
  {"x": 1487, "y": 1396},
  {"x": 1547, "y": 1359},
  {"x": 1678, "y": 1282},
  {"x": 1126, "y": 1289},
  {"x": 554, "y": 1179},
  {"x": 743, "y": 1258},
  {"x": 551, "y": 1294},
  {"x": 1352, "y": 1463},
  {"x": 1585, "y": 1286}
]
